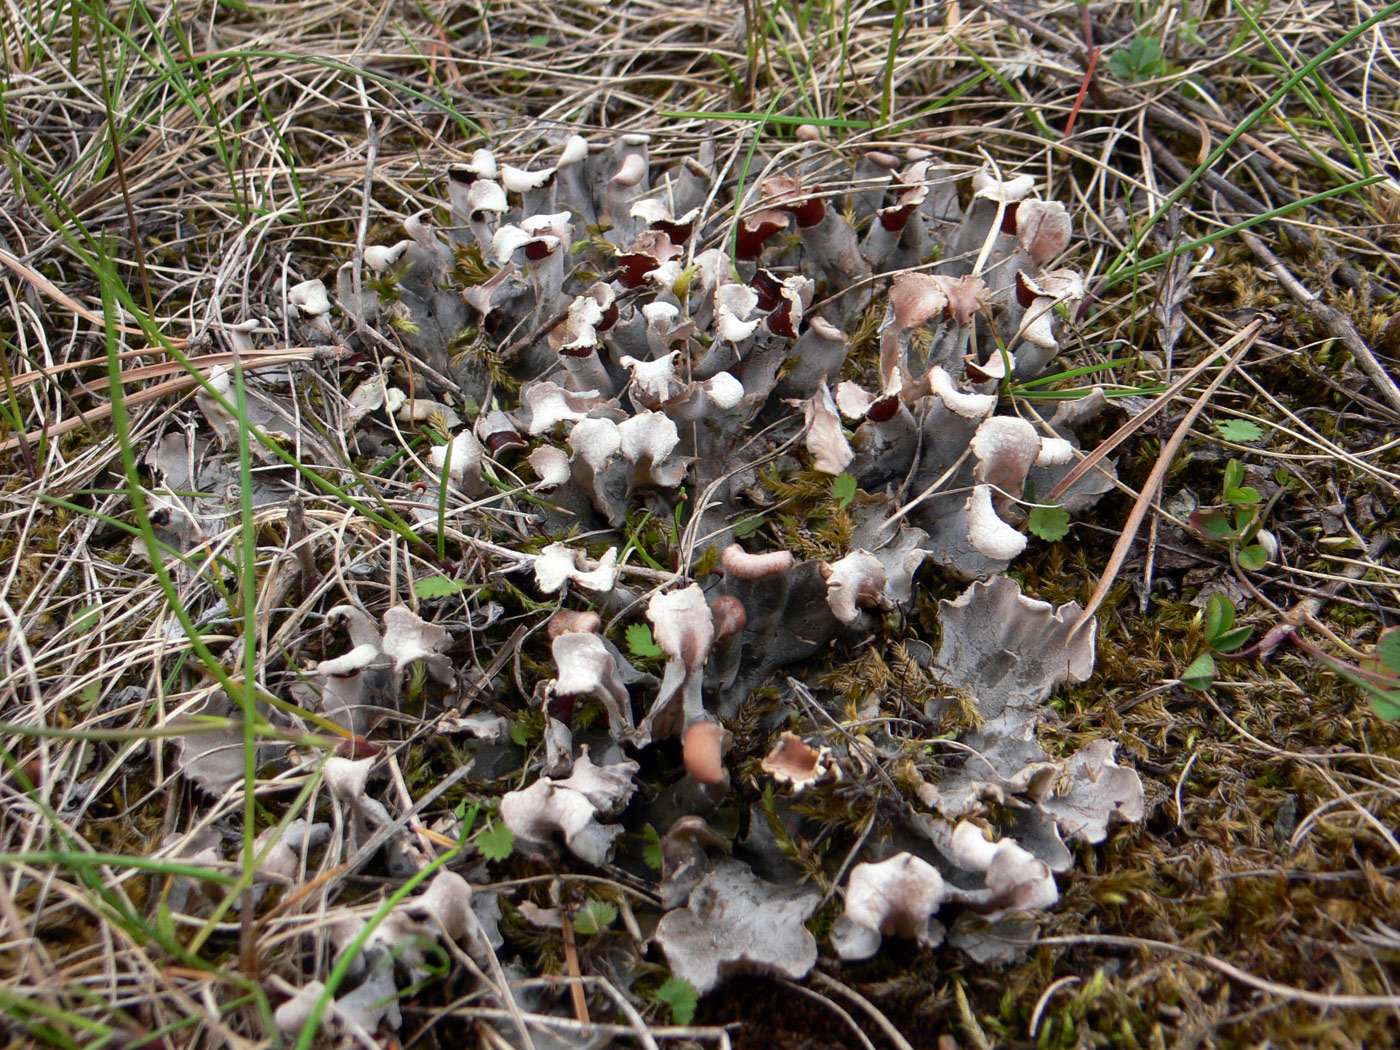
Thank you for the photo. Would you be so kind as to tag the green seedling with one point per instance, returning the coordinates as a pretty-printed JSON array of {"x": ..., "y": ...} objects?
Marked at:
[
  {"x": 1048, "y": 521},
  {"x": 1236, "y": 523},
  {"x": 644, "y": 540},
  {"x": 427, "y": 587},
  {"x": 843, "y": 489},
  {"x": 495, "y": 841},
  {"x": 466, "y": 818},
  {"x": 1141, "y": 60},
  {"x": 594, "y": 917},
  {"x": 747, "y": 526},
  {"x": 1220, "y": 636}
]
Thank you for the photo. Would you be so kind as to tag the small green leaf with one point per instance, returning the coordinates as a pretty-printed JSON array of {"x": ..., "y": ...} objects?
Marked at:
[
  {"x": 495, "y": 841},
  {"x": 1234, "y": 475},
  {"x": 537, "y": 39},
  {"x": 843, "y": 489},
  {"x": 1232, "y": 640},
  {"x": 1238, "y": 430},
  {"x": 651, "y": 852},
  {"x": 1245, "y": 496},
  {"x": 1211, "y": 524},
  {"x": 640, "y": 643},
  {"x": 681, "y": 997},
  {"x": 1388, "y": 648},
  {"x": 1201, "y": 672},
  {"x": 91, "y": 693},
  {"x": 438, "y": 587},
  {"x": 1048, "y": 522},
  {"x": 520, "y": 733},
  {"x": 746, "y": 527},
  {"x": 1386, "y": 704},
  {"x": 1254, "y": 557},
  {"x": 594, "y": 916},
  {"x": 1140, "y": 60},
  {"x": 1219, "y": 618},
  {"x": 86, "y": 618}
]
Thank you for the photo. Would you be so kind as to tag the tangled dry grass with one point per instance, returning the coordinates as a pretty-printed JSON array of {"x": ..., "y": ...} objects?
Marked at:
[{"x": 258, "y": 144}]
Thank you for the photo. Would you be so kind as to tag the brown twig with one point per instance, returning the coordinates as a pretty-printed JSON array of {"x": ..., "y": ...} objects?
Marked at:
[
  {"x": 204, "y": 362},
  {"x": 576, "y": 991},
  {"x": 865, "y": 1005},
  {"x": 1244, "y": 340},
  {"x": 1131, "y": 426},
  {"x": 46, "y": 286},
  {"x": 141, "y": 397}
]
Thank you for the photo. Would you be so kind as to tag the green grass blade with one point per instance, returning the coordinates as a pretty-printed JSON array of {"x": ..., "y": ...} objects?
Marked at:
[
  {"x": 248, "y": 589},
  {"x": 1114, "y": 277},
  {"x": 887, "y": 89},
  {"x": 1119, "y": 264},
  {"x": 352, "y": 951}
]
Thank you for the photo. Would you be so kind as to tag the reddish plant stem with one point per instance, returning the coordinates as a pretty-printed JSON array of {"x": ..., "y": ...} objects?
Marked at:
[{"x": 1083, "y": 88}]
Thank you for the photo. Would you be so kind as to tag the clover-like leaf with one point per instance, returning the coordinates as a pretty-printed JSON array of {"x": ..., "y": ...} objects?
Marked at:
[
  {"x": 594, "y": 917},
  {"x": 681, "y": 996},
  {"x": 1201, "y": 672},
  {"x": 651, "y": 852},
  {"x": 1219, "y": 617},
  {"x": 438, "y": 587},
  {"x": 1238, "y": 430},
  {"x": 1140, "y": 60},
  {"x": 495, "y": 841},
  {"x": 1049, "y": 522},
  {"x": 640, "y": 642},
  {"x": 1253, "y": 557},
  {"x": 843, "y": 489}
]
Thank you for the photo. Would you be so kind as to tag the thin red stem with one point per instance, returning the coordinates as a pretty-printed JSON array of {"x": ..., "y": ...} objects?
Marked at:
[{"x": 1083, "y": 90}]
